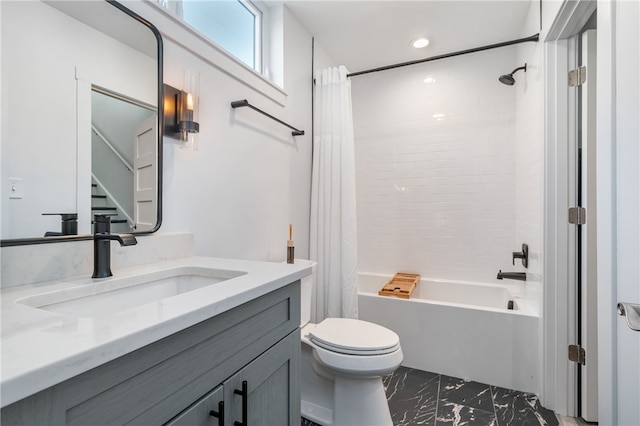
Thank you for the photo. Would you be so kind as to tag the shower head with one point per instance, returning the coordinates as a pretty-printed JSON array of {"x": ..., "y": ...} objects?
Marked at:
[{"x": 508, "y": 78}]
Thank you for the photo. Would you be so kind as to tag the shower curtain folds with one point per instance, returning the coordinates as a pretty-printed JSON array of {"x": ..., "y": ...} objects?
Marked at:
[{"x": 333, "y": 199}]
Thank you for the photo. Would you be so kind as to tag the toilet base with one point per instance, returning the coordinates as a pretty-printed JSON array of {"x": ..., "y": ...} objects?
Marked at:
[
  {"x": 357, "y": 402},
  {"x": 360, "y": 402},
  {"x": 329, "y": 399},
  {"x": 316, "y": 413}
]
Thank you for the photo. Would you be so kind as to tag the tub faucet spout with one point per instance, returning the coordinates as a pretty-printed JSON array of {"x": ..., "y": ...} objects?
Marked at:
[{"x": 521, "y": 276}]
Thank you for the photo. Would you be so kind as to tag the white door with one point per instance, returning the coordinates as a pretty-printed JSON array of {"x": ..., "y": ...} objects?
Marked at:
[
  {"x": 627, "y": 229},
  {"x": 582, "y": 250},
  {"x": 588, "y": 311},
  {"x": 145, "y": 165},
  {"x": 619, "y": 206}
]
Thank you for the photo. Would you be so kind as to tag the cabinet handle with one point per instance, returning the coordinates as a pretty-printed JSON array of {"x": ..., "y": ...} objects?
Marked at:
[
  {"x": 219, "y": 414},
  {"x": 245, "y": 395}
]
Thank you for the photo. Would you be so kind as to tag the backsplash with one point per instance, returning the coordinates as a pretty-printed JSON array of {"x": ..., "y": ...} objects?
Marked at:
[{"x": 45, "y": 262}]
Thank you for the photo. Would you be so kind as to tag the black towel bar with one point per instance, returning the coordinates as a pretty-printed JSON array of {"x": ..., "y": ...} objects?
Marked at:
[{"x": 245, "y": 103}]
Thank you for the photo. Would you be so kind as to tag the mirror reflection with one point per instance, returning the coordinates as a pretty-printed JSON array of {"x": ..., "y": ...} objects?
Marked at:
[
  {"x": 123, "y": 161},
  {"x": 80, "y": 90}
]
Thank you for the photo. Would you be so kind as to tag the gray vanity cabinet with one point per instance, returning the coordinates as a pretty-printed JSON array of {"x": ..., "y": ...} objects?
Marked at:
[
  {"x": 267, "y": 382},
  {"x": 269, "y": 387},
  {"x": 180, "y": 379},
  {"x": 202, "y": 412}
]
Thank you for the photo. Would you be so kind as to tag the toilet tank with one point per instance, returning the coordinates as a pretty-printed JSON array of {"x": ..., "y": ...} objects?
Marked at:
[{"x": 306, "y": 288}]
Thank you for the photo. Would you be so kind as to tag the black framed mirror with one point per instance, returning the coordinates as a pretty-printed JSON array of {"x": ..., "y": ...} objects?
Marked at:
[{"x": 82, "y": 120}]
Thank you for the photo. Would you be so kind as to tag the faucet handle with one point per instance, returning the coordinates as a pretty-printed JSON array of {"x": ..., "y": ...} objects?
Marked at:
[
  {"x": 524, "y": 255},
  {"x": 102, "y": 224},
  {"x": 102, "y": 217},
  {"x": 69, "y": 224}
]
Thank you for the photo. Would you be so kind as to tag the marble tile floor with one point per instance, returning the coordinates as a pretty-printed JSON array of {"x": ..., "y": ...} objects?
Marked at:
[{"x": 422, "y": 398}]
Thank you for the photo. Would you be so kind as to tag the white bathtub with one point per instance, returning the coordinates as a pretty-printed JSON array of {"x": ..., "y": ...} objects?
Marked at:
[{"x": 460, "y": 329}]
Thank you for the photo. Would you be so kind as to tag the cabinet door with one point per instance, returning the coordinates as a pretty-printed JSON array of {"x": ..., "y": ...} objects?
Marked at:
[
  {"x": 202, "y": 413},
  {"x": 272, "y": 387}
]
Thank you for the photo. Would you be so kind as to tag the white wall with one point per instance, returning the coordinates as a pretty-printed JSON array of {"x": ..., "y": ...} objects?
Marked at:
[
  {"x": 529, "y": 154},
  {"x": 321, "y": 59},
  {"x": 54, "y": 137},
  {"x": 618, "y": 190},
  {"x": 437, "y": 196},
  {"x": 249, "y": 178},
  {"x": 530, "y": 166},
  {"x": 550, "y": 12}
]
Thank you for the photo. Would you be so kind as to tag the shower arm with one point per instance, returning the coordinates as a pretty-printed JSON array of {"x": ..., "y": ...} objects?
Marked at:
[{"x": 524, "y": 67}]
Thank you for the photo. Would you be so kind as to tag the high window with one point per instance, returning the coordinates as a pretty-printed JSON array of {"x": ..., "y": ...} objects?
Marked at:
[{"x": 235, "y": 25}]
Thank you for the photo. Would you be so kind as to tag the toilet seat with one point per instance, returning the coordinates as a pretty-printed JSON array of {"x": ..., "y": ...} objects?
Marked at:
[{"x": 354, "y": 337}]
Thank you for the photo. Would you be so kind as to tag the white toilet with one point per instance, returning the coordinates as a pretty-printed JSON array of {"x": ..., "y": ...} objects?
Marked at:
[{"x": 343, "y": 362}]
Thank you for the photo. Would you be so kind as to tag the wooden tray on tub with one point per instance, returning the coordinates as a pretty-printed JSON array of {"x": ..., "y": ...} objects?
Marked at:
[{"x": 401, "y": 285}]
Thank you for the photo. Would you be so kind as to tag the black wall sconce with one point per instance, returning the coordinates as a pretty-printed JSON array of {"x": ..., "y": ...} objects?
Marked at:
[{"x": 181, "y": 109}]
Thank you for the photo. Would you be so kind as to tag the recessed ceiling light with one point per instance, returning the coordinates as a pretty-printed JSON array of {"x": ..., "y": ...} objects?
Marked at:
[{"x": 419, "y": 43}]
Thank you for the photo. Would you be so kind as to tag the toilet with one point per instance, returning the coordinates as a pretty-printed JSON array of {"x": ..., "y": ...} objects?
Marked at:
[{"x": 343, "y": 362}]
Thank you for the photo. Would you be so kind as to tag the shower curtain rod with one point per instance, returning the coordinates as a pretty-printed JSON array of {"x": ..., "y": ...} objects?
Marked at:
[{"x": 534, "y": 37}]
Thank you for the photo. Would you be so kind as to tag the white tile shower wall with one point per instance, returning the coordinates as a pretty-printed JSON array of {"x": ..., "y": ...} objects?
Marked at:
[
  {"x": 530, "y": 164},
  {"x": 436, "y": 169}
]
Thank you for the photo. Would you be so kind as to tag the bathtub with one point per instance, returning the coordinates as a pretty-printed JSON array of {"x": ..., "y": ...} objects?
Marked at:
[{"x": 460, "y": 329}]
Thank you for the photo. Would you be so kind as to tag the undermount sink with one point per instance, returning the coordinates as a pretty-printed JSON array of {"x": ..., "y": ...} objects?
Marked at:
[{"x": 109, "y": 296}]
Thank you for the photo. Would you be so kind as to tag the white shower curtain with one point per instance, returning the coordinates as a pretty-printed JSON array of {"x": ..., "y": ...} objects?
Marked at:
[{"x": 333, "y": 199}]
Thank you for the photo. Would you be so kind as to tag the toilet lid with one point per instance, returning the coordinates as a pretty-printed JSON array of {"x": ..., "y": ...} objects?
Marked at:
[{"x": 351, "y": 336}]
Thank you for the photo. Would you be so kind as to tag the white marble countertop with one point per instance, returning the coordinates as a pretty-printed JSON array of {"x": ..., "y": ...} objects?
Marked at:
[{"x": 42, "y": 348}]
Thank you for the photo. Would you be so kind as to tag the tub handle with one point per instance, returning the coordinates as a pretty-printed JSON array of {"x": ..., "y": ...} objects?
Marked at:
[{"x": 524, "y": 255}]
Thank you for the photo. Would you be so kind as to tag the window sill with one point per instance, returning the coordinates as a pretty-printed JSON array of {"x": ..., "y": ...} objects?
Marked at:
[{"x": 174, "y": 29}]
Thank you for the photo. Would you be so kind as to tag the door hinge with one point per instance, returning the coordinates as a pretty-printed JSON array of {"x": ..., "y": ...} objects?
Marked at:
[
  {"x": 577, "y": 354},
  {"x": 578, "y": 76},
  {"x": 577, "y": 215}
]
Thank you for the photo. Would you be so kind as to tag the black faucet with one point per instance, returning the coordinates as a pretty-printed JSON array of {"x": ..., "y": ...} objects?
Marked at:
[
  {"x": 522, "y": 276},
  {"x": 69, "y": 224},
  {"x": 102, "y": 245}
]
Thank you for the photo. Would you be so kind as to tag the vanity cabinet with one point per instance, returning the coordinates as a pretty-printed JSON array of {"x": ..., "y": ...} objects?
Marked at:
[
  {"x": 262, "y": 387},
  {"x": 181, "y": 379},
  {"x": 202, "y": 412}
]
